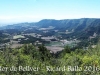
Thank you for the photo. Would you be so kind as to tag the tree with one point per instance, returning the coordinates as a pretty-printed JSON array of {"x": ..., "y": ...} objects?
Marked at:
[
  {"x": 67, "y": 49},
  {"x": 45, "y": 54}
]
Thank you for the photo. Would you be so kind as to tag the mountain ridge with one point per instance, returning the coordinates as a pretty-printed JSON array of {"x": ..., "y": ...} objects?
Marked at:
[{"x": 78, "y": 25}]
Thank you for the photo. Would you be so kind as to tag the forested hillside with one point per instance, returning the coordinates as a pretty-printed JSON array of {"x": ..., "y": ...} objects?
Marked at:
[{"x": 29, "y": 60}]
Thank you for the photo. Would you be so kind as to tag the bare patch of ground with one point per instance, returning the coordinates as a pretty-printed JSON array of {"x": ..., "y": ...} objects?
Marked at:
[
  {"x": 16, "y": 45},
  {"x": 54, "y": 49}
]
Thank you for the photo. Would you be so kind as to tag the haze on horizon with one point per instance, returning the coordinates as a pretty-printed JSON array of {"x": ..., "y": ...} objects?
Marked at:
[{"x": 15, "y": 11}]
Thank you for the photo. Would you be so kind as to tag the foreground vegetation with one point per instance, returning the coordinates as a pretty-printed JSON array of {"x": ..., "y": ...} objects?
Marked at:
[{"x": 30, "y": 60}]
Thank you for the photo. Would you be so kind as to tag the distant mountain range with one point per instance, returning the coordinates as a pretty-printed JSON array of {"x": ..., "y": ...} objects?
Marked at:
[{"x": 81, "y": 27}]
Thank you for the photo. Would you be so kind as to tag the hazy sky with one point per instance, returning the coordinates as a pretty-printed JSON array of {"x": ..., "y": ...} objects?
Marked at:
[{"x": 35, "y": 10}]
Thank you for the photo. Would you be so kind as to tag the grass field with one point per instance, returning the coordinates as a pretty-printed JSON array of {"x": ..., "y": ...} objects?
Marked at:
[{"x": 18, "y": 36}]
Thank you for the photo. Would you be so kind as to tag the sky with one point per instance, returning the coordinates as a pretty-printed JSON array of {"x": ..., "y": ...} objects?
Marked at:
[{"x": 14, "y": 11}]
